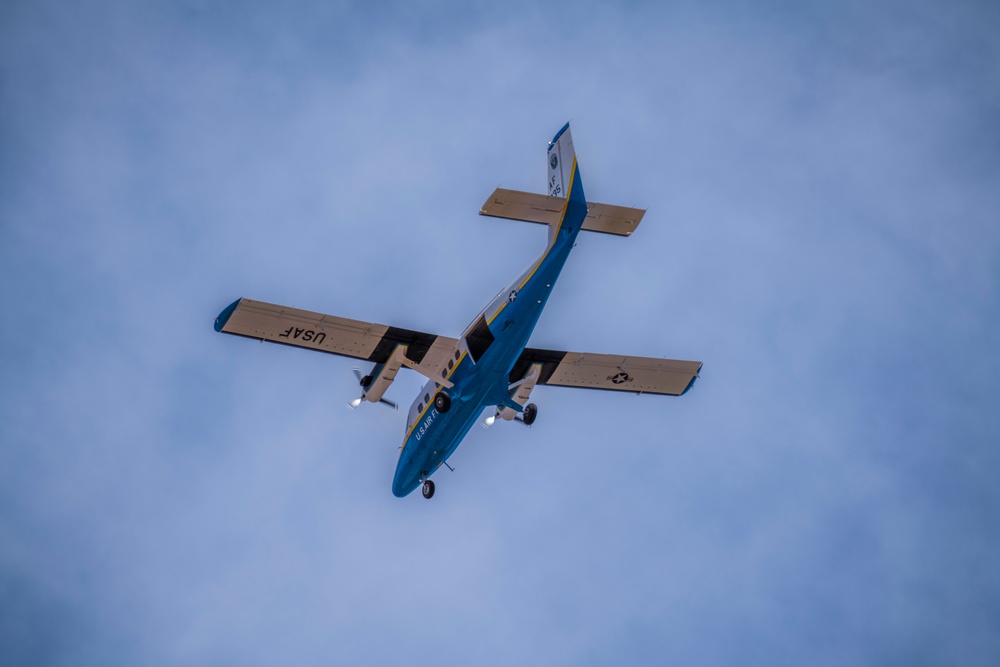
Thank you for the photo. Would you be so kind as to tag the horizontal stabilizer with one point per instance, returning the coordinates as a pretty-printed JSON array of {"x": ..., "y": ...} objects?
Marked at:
[
  {"x": 609, "y": 371},
  {"x": 546, "y": 210}
]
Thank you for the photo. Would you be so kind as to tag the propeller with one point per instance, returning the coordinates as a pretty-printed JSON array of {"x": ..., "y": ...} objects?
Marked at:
[
  {"x": 362, "y": 381},
  {"x": 489, "y": 421}
]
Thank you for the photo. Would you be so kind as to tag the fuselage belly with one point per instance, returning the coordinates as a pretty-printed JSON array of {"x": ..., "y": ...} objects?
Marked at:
[{"x": 433, "y": 436}]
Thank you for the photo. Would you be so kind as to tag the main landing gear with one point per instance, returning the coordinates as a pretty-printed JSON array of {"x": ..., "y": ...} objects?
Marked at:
[
  {"x": 442, "y": 403},
  {"x": 428, "y": 489},
  {"x": 529, "y": 413}
]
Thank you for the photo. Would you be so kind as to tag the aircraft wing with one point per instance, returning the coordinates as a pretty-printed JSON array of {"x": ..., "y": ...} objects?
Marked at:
[
  {"x": 334, "y": 335},
  {"x": 608, "y": 371}
]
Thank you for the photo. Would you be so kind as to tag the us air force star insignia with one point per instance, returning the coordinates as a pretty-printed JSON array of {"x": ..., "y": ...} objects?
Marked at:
[
  {"x": 512, "y": 296},
  {"x": 620, "y": 378},
  {"x": 553, "y": 160}
]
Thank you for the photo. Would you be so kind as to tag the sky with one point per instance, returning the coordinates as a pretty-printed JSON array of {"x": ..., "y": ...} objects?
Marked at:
[{"x": 823, "y": 186}]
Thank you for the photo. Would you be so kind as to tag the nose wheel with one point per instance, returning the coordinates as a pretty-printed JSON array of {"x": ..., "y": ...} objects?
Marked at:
[{"x": 428, "y": 489}]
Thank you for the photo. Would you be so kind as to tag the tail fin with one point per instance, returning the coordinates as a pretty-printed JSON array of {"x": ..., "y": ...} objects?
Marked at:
[
  {"x": 561, "y": 157},
  {"x": 564, "y": 183}
]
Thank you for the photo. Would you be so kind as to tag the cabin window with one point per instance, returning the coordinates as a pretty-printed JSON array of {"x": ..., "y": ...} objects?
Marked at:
[
  {"x": 427, "y": 398},
  {"x": 458, "y": 354},
  {"x": 451, "y": 364},
  {"x": 420, "y": 408}
]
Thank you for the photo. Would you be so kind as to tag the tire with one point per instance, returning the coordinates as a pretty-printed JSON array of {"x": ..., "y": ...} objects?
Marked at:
[
  {"x": 365, "y": 381},
  {"x": 529, "y": 414},
  {"x": 428, "y": 489},
  {"x": 442, "y": 402}
]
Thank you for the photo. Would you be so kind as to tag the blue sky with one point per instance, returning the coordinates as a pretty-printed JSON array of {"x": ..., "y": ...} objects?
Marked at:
[{"x": 822, "y": 179}]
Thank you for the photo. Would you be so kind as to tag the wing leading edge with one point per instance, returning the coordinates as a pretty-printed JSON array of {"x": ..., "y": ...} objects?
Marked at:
[
  {"x": 609, "y": 371},
  {"x": 331, "y": 334}
]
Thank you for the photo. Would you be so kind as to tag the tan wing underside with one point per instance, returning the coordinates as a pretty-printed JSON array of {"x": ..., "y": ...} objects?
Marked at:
[
  {"x": 610, "y": 371},
  {"x": 335, "y": 335},
  {"x": 640, "y": 374}
]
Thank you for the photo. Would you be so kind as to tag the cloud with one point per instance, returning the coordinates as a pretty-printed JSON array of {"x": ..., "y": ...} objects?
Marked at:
[{"x": 821, "y": 184}]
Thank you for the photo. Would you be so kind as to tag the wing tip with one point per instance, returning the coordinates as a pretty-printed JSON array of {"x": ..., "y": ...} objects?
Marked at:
[
  {"x": 694, "y": 379},
  {"x": 223, "y": 318}
]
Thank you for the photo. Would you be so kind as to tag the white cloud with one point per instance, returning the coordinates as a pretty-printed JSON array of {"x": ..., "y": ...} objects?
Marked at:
[{"x": 820, "y": 235}]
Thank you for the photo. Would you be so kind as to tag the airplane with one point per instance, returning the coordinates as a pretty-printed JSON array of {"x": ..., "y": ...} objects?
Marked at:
[{"x": 489, "y": 366}]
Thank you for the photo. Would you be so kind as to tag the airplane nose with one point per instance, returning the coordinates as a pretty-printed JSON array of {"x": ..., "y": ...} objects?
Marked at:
[
  {"x": 404, "y": 481},
  {"x": 402, "y": 488}
]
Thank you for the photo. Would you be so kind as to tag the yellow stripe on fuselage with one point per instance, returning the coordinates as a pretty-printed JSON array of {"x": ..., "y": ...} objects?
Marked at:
[
  {"x": 555, "y": 236},
  {"x": 524, "y": 282}
]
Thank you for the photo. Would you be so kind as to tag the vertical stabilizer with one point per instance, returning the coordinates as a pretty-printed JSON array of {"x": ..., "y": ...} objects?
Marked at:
[{"x": 560, "y": 157}]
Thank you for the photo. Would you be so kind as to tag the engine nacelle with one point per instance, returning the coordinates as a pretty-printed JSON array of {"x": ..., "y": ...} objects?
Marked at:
[
  {"x": 375, "y": 383},
  {"x": 382, "y": 375},
  {"x": 522, "y": 391}
]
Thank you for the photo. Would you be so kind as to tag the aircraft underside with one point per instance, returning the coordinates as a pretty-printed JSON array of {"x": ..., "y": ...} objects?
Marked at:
[{"x": 490, "y": 365}]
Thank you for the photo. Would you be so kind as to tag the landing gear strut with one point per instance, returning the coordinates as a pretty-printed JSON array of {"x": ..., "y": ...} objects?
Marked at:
[
  {"x": 529, "y": 414},
  {"x": 428, "y": 489}
]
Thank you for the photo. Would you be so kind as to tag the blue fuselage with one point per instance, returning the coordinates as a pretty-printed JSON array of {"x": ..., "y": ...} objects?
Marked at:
[{"x": 432, "y": 436}]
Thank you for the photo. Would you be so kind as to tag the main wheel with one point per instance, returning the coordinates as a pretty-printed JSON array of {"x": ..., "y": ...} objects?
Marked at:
[
  {"x": 365, "y": 381},
  {"x": 529, "y": 414},
  {"x": 442, "y": 402},
  {"x": 428, "y": 489}
]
